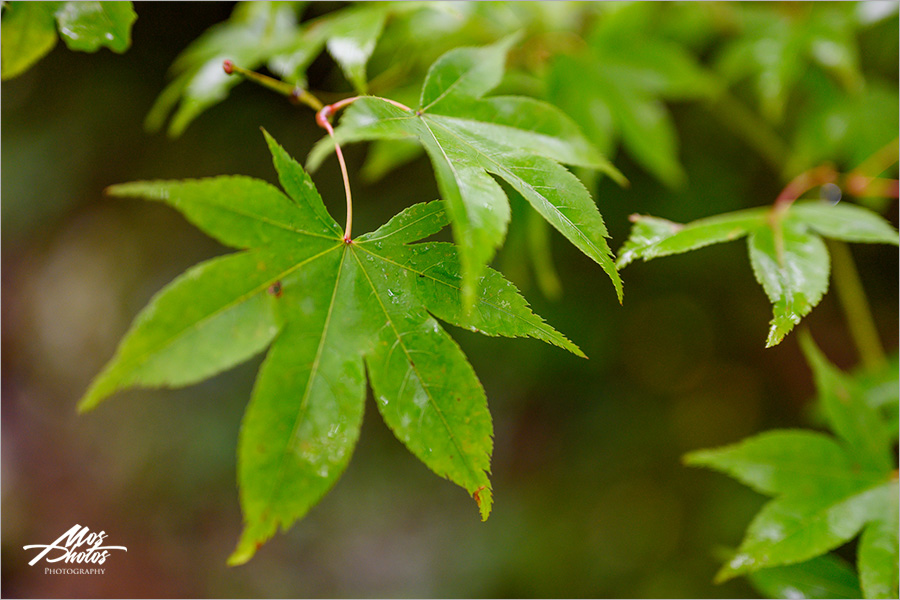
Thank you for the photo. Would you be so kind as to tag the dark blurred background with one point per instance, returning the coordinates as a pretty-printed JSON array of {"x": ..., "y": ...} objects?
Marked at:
[{"x": 591, "y": 498}]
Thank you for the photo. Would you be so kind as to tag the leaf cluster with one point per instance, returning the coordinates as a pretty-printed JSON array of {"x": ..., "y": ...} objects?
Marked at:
[
  {"x": 826, "y": 489},
  {"x": 800, "y": 64},
  {"x": 774, "y": 49},
  {"x": 469, "y": 138},
  {"x": 272, "y": 35},
  {"x": 631, "y": 68},
  {"x": 789, "y": 258},
  {"x": 337, "y": 314}
]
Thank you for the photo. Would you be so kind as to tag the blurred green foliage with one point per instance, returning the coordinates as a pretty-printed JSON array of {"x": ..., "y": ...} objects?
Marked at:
[
  {"x": 587, "y": 452},
  {"x": 29, "y": 30}
]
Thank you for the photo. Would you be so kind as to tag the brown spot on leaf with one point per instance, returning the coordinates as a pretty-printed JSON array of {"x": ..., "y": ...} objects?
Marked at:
[
  {"x": 477, "y": 495},
  {"x": 275, "y": 289}
]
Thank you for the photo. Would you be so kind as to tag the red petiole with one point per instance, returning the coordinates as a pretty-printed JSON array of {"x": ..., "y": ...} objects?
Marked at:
[{"x": 323, "y": 118}]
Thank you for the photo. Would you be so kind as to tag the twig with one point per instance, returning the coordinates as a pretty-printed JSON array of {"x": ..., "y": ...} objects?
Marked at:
[
  {"x": 856, "y": 306},
  {"x": 296, "y": 94}
]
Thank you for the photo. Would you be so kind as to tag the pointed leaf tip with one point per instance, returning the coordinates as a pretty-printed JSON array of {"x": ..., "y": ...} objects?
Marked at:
[{"x": 483, "y": 497}]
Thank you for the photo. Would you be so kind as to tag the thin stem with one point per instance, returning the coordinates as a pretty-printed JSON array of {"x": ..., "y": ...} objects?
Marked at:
[
  {"x": 856, "y": 306},
  {"x": 296, "y": 94},
  {"x": 323, "y": 118},
  {"x": 880, "y": 161},
  {"x": 862, "y": 186},
  {"x": 802, "y": 183}
]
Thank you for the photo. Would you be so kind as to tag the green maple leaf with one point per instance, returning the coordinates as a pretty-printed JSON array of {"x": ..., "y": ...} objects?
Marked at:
[
  {"x": 469, "y": 138},
  {"x": 327, "y": 307},
  {"x": 29, "y": 30},
  {"x": 826, "y": 490},
  {"x": 788, "y": 255}
]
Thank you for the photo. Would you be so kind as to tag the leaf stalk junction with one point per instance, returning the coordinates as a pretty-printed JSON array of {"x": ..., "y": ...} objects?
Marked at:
[{"x": 324, "y": 114}]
